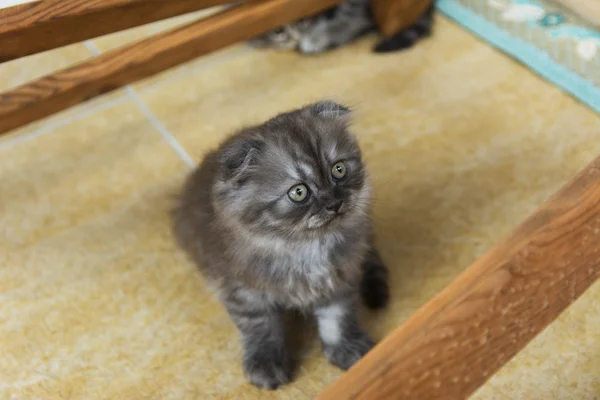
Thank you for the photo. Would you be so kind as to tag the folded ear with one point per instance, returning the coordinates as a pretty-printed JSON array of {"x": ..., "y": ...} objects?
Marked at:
[
  {"x": 238, "y": 157},
  {"x": 328, "y": 108}
]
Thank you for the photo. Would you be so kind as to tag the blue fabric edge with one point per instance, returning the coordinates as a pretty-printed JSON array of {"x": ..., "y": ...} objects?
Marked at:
[{"x": 530, "y": 55}]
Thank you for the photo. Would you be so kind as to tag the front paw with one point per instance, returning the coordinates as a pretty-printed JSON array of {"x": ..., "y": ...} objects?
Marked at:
[
  {"x": 349, "y": 350},
  {"x": 268, "y": 368}
]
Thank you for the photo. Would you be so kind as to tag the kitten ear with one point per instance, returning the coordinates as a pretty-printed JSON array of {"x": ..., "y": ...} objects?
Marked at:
[
  {"x": 328, "y": 108},
  {"x": 238, "y": 158}
]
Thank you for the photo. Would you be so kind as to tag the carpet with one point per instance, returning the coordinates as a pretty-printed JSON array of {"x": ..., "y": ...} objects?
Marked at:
[{"x": 551, "y": 39}]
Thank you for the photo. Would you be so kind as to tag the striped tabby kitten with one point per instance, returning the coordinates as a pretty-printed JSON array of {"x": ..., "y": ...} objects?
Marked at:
[
  {"x": 277, "y": 218},
  {"x": 339, "y": 26}
]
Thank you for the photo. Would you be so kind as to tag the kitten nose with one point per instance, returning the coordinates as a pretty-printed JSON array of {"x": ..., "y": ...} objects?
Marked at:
[{"x": 335, "y": 206}]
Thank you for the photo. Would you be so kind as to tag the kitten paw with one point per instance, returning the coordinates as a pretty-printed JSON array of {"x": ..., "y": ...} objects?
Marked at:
[
  {"x": 268, "y": 368},
  {"x": 348, "y": 351}
]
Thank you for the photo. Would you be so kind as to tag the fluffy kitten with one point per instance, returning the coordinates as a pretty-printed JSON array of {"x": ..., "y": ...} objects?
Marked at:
[
  {"x": 278, "y": 218},
  {"x": 339, "y": 26}
]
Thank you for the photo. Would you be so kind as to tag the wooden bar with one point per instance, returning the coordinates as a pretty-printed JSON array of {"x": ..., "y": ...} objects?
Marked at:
[
  {"x": 119, "y": 67},
  {"x": 457, "y": 341},
  {"x": 43, "y": 25}
]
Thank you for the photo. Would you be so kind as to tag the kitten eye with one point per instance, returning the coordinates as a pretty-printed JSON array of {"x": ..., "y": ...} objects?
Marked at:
[
  {"x": 338, "y": 171},
  {"x": 298, "y": 193}
]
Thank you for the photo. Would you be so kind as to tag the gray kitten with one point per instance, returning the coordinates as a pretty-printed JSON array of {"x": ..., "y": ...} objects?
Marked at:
[{"x": 277, "y": 218}]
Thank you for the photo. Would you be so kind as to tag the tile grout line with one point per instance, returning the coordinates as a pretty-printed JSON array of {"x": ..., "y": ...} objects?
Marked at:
[
  {"x": 154, "y": 121},
  {"x": 93, "y": 48},
  {"x": 161, "y": 128}
]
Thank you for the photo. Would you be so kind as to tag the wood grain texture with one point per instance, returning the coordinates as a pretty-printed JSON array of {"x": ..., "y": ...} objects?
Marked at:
[
  {"x": 114, "y": 69},
  {"x": 392, "y": 16},
  {"x": 43, "y": 25},
  {"x": 454, "y": 343}
]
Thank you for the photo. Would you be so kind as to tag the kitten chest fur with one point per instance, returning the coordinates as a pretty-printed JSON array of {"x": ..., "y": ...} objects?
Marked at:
[{"x": 305, "y": 273}]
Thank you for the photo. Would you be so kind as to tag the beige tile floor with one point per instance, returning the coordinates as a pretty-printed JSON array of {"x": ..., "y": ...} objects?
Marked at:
[{"x": 96, "y": 301}]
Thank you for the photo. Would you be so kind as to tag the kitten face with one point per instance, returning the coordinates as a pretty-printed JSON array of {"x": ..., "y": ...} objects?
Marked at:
[
  {"x": 285, "y": 37},
  {"x": 299, "y": 173}
]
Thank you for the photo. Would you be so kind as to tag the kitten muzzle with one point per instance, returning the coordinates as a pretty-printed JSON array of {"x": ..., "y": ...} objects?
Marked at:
[{"x": 334, "y": 206}]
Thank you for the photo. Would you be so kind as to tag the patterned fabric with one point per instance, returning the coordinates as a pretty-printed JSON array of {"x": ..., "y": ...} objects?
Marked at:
[{"x": 550, "y": 39}]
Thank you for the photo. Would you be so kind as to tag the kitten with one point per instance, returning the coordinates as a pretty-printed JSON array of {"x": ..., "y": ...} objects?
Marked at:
[
  {"x": 277, "y": 218},
  {"x": 339, "y": 26}
]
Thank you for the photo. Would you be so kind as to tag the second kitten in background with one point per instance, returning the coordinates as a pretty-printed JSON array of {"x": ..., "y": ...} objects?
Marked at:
[{"x": 339, "y": 26}]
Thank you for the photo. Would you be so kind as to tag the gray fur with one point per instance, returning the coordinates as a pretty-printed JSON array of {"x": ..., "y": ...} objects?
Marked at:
[
  {"x": 285, "y": 37},
  {"x": 265, "y": 254},
  {"x": 324, "y": 31},
  {"x": 340, "y": 26},
  {"x": 349, "y": 20}
]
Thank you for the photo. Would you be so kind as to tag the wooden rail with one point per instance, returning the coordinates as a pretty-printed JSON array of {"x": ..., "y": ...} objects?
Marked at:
[
  {"x": 43, "y": 25},
  {"x": 454, "y": 343},
  {"x": 119, "y": 67}
]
